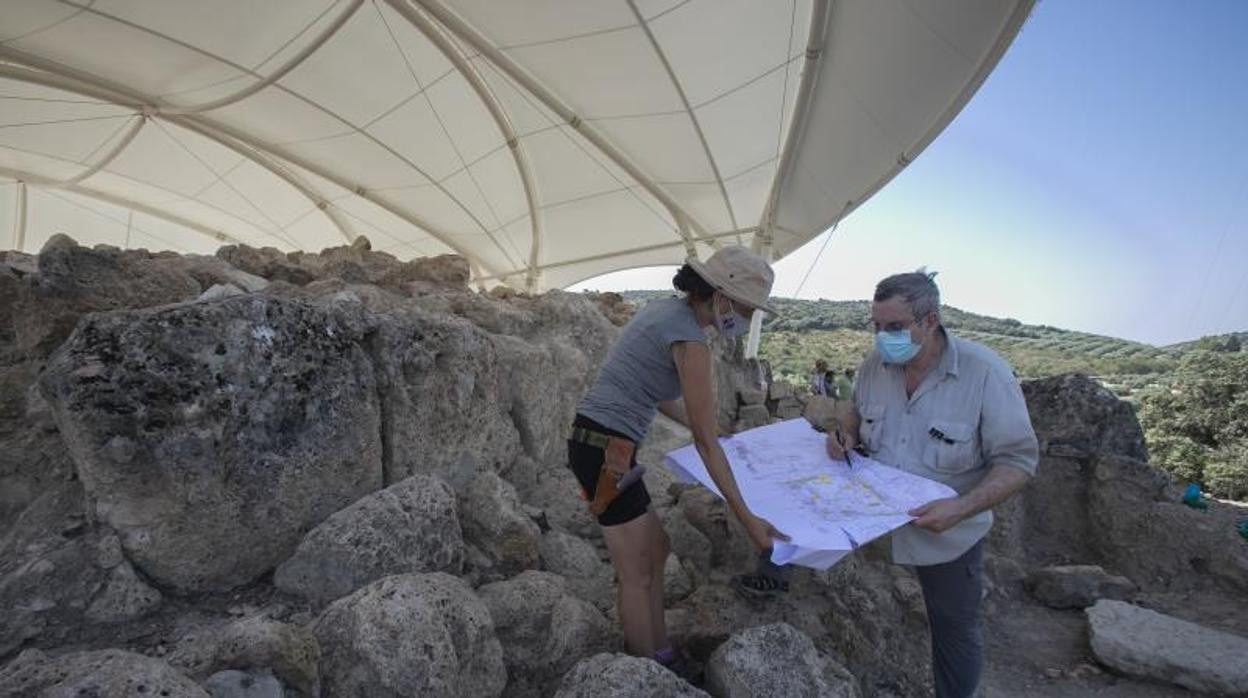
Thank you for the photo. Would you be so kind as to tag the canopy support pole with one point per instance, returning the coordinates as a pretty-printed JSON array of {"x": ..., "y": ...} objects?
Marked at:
[
  {"x": 469, "y": 35},
  {"x": 19, "y": 217},
  {"x": 276, "y": 75},
  {"x": 755, "y": 338},
  {"x": 27, "y": 178},
  {"x": 519, "y": 155},
  {"x": 820, "y": 12}
]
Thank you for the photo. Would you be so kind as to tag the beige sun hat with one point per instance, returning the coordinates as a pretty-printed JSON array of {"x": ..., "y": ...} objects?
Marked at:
[{"x": 739, "y": 274}]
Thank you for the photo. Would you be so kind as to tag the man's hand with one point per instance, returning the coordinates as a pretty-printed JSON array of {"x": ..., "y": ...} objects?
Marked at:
[
  {"x": 940, "y": 515},
  {"x": 761, "y": 531},
  {"x": 835, "y": 452}
]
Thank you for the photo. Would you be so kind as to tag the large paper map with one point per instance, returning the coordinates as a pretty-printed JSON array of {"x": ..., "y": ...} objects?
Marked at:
[{"x": 825, "y": 506}]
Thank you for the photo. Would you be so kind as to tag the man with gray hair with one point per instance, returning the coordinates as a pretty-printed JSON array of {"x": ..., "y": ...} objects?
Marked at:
[{"x": 950, "y": 410}]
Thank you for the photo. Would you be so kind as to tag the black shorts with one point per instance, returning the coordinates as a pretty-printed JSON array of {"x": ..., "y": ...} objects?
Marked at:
[{"x": 586, "y": 463}]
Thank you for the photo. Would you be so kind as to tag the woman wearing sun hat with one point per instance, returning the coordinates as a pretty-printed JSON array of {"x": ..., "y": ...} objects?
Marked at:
[{"x": 661, "y": 356}]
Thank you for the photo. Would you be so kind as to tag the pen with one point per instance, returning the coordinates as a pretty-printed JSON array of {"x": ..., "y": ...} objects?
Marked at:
[{"x": 841, "y": 441}]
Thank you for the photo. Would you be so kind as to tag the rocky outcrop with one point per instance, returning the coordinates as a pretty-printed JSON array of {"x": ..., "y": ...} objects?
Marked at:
[
  {"x": 411, "y": 526},
  {"x": 624, "y": 676},
  {"x": 410, "y": 635},
  {"x": 210, "y": 435},
  {"x": 543, "y": 630},
  {"x": 57, "y": 574},
  {"x": 776, "y": 660},
  {"x": 588, "y": 577},
  {"x": 104, "y": 673},
  {"x": 1148, "y": 644}
]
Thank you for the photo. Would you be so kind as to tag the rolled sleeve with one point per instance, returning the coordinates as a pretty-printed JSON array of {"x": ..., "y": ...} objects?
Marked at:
[{"x": 1006, "y": 434}]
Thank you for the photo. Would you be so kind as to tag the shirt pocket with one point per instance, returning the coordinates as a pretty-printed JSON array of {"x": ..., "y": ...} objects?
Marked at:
[
  {"x": 871, "y": 427},
  {"x": 950, "y": 447}
]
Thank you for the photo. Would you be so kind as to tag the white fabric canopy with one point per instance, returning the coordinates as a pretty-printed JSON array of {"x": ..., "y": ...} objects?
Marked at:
[{"x": 547, "y": 141}]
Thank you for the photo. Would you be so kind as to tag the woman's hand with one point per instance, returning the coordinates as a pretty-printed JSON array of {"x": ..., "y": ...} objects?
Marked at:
[
  {"x": 761, "y": 532},
  {"x": 835, "y": 450}
]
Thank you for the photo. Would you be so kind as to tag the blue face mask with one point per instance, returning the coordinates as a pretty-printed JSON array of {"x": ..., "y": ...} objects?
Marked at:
[{"x": 896, "y": 347}]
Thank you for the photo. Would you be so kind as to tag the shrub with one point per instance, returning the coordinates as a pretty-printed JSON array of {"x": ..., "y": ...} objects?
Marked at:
[{"x": 1226, "y": 473}]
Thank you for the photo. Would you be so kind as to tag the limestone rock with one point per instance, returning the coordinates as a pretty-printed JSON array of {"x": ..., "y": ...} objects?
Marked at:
[
  {"x": 411, "y": 526},
  {"x": 776, "y": 660},
  {"x": 714, "y": 612},
  {"x": 751, "y": 396},
  {"x": 678, "y": 583},
  {"x": 751, "y": 416},
  {"x": 572, "y": 558},
  {"x": 622, "y": 676},
  {"x": 1075, "y": 412},
  {"x": 1147, "y": 644},
  {"x": 103, "y": 673},
  {"x": 1076, "y": 586},
  {"x": 124, "y": 597},
  {"x": 254, "y": 644},
  {"x": 543, "y": 630},
  {"x": 495, "y": 522},
  {"x": 212, "y": 435},
  {"x": 410, "y": 635}
]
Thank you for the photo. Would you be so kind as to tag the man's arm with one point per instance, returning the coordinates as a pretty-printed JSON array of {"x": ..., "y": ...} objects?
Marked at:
[
  {"x": 1010, "y": 448},
  {"x": 1001, "y": 483}
]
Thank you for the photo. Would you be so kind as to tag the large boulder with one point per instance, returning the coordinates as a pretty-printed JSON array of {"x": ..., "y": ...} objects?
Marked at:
[
  {"x": 411, "y": 526},
  {"x": 776, "y": 660},
  {"x": 622, "y": 676},
  {"x": 1150, "y": 645},
  {"x": 543, "y": 630},
  {"x": 73, "y": 280},
  {"x": 577, "y": 561},
  {"x": 256, "y": 645},
  {"x": 410, "y": 635},
  {"x": 33, "y": 458},
  {"x": 103, "y": 673},
  {"x": 212, "y": 435}
]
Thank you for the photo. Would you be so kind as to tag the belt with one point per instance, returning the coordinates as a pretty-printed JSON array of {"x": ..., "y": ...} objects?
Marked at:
[{"x": 590, "y": 437}]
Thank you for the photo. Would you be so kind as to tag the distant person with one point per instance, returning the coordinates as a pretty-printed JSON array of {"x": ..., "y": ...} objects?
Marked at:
[
  {"x": 949, "y": 410},
  {"x": 845, "y": 385},
  {"x": 819, "y": 383},
  {"x": 662, "y": 355}
]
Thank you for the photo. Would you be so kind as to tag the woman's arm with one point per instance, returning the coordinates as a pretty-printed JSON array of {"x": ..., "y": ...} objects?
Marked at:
[
  {"x": 672, "y": 409},
  {"x": 693, "y": 363}
]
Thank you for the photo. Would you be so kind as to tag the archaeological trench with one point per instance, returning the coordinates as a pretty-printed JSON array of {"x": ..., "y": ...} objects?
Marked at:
[{"x": 339, "y": 474}]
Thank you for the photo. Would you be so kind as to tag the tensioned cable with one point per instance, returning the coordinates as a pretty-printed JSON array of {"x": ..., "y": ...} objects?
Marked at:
[
  {"x": 1217, "y": 254},
  {"x": 823, "y": 247}
]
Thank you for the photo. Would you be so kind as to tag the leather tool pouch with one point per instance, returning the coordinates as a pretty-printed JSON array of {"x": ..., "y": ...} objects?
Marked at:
[{"x": 617, "y": 474}]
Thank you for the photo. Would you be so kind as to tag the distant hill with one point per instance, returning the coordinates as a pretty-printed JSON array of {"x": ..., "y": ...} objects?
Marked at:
[{"x": 806, "y": 330}]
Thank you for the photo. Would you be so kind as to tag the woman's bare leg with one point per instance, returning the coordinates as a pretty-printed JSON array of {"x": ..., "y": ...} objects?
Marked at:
[
  {"x": 661, "y": 547},
  {"x": 631, "y": 546}
]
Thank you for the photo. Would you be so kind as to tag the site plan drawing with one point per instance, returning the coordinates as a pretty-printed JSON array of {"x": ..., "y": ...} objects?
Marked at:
[{"x": 825, "y": 506}]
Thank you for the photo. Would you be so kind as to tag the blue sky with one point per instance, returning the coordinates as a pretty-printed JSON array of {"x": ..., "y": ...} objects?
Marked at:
[{"x": 1098, "y": 181}]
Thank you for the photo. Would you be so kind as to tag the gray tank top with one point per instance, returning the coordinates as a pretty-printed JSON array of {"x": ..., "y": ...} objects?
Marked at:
[{"x": 639, "y": 371}]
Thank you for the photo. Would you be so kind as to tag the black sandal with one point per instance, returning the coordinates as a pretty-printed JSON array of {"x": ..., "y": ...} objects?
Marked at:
[{"x": 767, "y": 581}]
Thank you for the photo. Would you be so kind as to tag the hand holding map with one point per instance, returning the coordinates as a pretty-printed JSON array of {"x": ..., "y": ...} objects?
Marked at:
[{"x": 827, "y": 508}]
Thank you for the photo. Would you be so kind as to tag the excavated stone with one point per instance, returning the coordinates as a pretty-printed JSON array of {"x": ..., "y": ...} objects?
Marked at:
[
  {"x": 577, "y": 561},
  {"x": 255, "y": 644},
  {"x": 411, "y": 526},
  {"x": 776, "y": 660},
  {"x": 102, "y": 673},
  {"x": 1076, "y": 586},
  {"x": 410, "y": 635},
  {"x": 495, "y": 523},
  {"x": 622, "y": 676},
  {"x": 73, "y": 280},
  {"x": 212, "y": 435},
  {"x": 543, "y": 630},
  {"x": 1151, "y": 645},
  {"x": 232, "y": 683}
]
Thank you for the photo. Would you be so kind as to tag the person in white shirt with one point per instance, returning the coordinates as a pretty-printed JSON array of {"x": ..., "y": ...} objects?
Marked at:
[{"x": 950, "y": 410}]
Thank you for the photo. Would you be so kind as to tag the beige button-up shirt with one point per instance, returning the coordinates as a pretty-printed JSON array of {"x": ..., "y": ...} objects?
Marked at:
[{"x": 967, "y": 416}]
